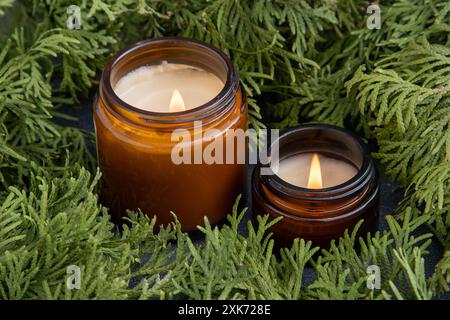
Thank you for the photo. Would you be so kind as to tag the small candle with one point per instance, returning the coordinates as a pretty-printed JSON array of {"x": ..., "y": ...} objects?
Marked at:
[
  {"x": 326, "y": 183},
  {"x": 315, "y": 171},
  {"x": 168, "y": 87}
]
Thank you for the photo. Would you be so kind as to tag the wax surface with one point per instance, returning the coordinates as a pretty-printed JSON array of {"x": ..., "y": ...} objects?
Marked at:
[
  {"x": 151, "y": 87},
  {"x": 295, "y": 170}
]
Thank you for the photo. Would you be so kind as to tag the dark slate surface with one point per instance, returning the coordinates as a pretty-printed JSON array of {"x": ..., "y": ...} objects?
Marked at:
[{"x": 390, "y": 193}]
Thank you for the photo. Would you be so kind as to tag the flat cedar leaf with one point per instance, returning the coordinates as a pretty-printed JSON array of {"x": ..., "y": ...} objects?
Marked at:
[{"x": 299, "y": 62}]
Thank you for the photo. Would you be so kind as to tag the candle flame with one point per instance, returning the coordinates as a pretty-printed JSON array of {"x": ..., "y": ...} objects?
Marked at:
[
  {"x": 315, "y": 174},
  {"x": 176, "y": 102}
]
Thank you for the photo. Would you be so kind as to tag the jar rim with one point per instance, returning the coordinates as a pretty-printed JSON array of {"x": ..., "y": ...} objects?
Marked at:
[
  {"x": 332, "y": 193},
  {"x": 322, "y": 218},
  {"x": 221, "y": 100}
]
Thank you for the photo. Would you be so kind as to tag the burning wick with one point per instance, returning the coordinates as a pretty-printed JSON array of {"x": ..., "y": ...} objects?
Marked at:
[
  {"x": 176, "y": 102},
  {"x": 315, "y": 175}
]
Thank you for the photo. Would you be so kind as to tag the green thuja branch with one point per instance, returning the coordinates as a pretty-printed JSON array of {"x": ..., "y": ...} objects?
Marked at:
[
  {"x": 321, "y": 99},
  {"x": 414, "y": 89},
  {"x": 441, "y": 277},
  {"x": 408, "y": 96},
  {"x": 342, "y": 271},
  {"x": 28, "y": 136},
  {"x": 417, "y": 80},
  {"x": 415, "y": 275},
  {"x": 5, "y": 4},
  {"x": 299, "y": 61},
  {"x": 59, "y": 224},
  {"x": 265, "y": 39}
]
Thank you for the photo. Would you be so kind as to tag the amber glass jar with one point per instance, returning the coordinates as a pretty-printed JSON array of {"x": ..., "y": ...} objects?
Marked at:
[
  {"x": 319, "y": 215},
  {"x": 134, "y": 146}
]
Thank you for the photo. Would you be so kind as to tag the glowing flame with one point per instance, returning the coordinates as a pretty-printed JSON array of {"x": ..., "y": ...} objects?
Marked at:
[
  {"x": 315, "y": 175},
  {"x": 176, "y": 102}
]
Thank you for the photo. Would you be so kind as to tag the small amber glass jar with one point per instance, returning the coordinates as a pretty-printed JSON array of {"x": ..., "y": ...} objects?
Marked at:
[
  {"x": 319, "y": 215},
  {"x": 134, "y": 146}
]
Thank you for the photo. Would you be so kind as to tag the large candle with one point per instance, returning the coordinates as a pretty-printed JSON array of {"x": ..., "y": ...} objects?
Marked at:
[
  {"x": 168, "y": 87},
  {"x": 315, "y": 171},
  {"x": 137, "y": 112}
]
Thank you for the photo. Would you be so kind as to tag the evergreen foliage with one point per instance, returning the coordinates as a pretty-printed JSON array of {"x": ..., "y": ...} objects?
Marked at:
[{"x": 299, "y": 61}]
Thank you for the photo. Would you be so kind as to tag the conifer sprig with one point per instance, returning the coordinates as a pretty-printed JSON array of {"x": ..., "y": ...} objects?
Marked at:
[
  {"x": 59, "y": 223},
  {"x": 299, "y": 61}
]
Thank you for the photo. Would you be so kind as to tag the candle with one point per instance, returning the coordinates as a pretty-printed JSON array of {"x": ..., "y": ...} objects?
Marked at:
[
  {"x": 168, "y": 87},
  {"x": 146, "y": 93},
  {"x": 315, "y": 171},
  {"x": 326, "y": 183}
]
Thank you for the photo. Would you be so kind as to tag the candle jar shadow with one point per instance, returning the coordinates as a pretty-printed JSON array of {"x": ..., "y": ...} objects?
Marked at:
[
  {"x": 319, "y": 215},
  {"x": 135, "y": 146}
]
